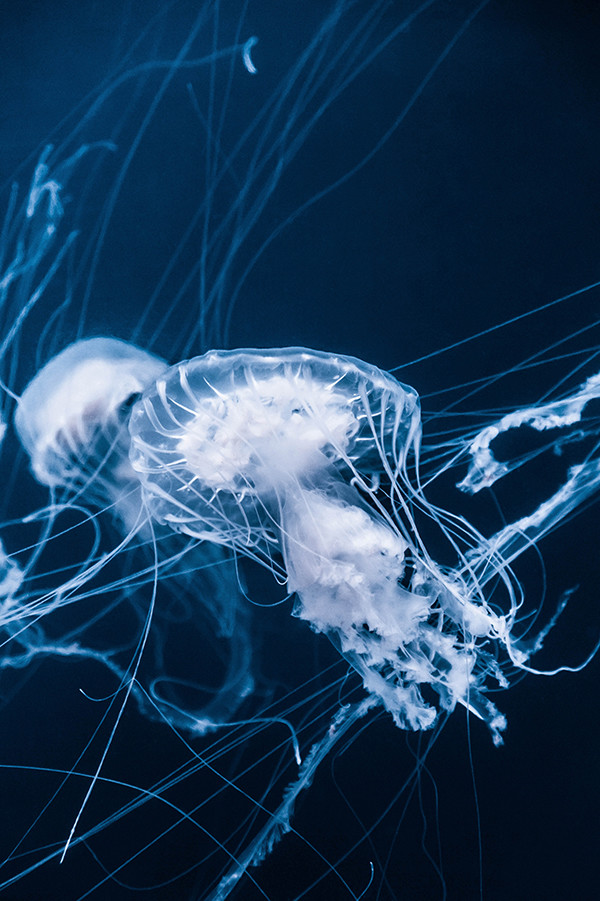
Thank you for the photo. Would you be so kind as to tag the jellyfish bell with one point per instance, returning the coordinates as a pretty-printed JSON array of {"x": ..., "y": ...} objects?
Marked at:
[
  {"x": 224, "y": 436},
  {"x": 276, "y": 453},
  {"x": 76, "y": 394},
  {"x": 70, "y": 421}
]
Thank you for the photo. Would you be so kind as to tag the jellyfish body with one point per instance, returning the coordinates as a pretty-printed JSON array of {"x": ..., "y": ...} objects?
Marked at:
[
  {"x": 274, "y": 453},
  {"x": 72, "y": 421}
]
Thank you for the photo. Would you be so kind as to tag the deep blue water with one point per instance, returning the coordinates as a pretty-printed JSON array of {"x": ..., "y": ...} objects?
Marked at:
[{"x": 482, "y": 205}]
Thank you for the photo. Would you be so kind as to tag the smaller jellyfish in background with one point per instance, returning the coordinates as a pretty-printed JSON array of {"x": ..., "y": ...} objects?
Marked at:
[
  {"x": 72, "y": 421},
  {"x": 11, "y": 580}
]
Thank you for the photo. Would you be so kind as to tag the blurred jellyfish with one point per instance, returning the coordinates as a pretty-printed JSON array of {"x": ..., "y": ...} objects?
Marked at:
[
  {"x": 72, "y": 421},
  {"x": 11, "y": 577}
]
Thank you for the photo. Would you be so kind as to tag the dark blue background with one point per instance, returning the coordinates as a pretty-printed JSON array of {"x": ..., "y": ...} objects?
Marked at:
[{"x": 483, "y": 205}]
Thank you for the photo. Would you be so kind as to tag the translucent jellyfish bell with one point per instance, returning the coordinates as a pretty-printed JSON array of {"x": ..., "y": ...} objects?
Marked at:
[
  {"x": 224, "y": 439},
  {"x": 70, "y": 419},
  {"x": 274, "y": 453}
]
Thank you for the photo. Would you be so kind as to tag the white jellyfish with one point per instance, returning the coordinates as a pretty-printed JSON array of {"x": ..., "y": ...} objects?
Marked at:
[
  {"x": 309, "y": 463},
  {"x": 72, "y": 421},
  {"x": 282, "y": 455},
  {"x": 254, "y": 212}
]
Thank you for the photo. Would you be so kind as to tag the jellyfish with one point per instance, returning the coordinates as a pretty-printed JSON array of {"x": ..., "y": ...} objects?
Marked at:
[
  {"x": 72, "y": 421},
  {"x": 275, "y": 454},
  {"x": 69, "y": 419},
  {"x": 282, "y": 455},
  {"x": 342, "y": 183}
]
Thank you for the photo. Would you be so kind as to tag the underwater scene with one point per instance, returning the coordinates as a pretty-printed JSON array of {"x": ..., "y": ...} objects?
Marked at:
[{"x": 300, "y": 446}]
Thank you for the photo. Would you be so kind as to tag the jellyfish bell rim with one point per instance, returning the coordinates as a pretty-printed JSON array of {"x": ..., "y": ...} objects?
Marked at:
[{"x": 337, "y": 372}]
